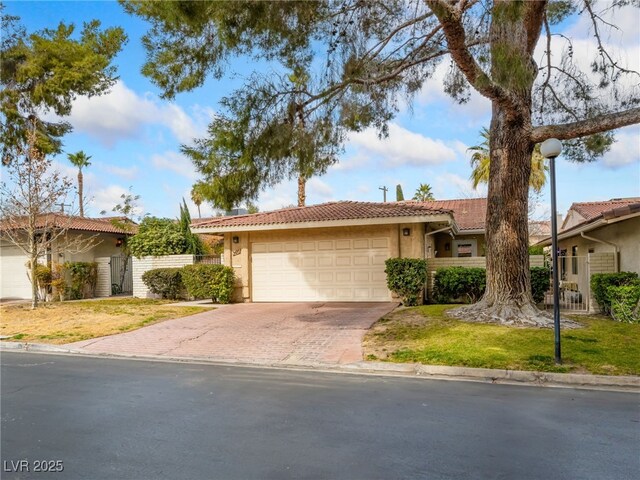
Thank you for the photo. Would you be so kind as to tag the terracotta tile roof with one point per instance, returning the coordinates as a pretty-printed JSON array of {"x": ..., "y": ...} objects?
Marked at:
[
  {"x": 99, "y": 225},
  {"x": 469, "y": 213},
  {"x": 540, "y": 228},
  {"x": 344, "y": 210},
  {"x": 621, "y": 210},
  {"x": 591, "y": 210}
]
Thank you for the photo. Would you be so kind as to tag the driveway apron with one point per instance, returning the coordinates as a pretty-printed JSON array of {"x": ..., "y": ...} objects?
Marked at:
[{"x": 257, "y": 333}]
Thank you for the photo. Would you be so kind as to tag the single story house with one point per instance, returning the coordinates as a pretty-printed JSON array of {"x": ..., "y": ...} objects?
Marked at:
[
  {"x": 336, "y": 251},
  {"x": 598, "y": 237},
  {"x": 84, "y": 240}
]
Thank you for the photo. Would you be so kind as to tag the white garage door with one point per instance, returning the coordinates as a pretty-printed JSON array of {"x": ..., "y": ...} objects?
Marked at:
[
  {"x": 343, "y": 270},
  {"x": 14, "y": 282}
]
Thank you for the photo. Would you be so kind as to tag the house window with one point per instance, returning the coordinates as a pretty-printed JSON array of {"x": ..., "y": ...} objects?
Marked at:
[
  {"x": 563, "y": 264},
  {"x": 574, "y": 260},
  {"x": 465, "y": 248}
]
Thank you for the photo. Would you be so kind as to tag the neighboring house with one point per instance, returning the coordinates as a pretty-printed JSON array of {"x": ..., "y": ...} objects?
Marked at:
[
  {"x": 336, "y": 251},
  {"x": 85, "y": 240},
  {"x": 539, "y": 230},
  {"x": 598, "y": 237}
]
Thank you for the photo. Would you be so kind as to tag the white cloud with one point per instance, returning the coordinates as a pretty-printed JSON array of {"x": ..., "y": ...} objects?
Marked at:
[
  {"x": 175, "y": 162},
  {"x": 126, "y": 173},
  {"x": 282, "y": 195},
  {"x": 401, "y": 147},
  {"x": 449, "y": 185},
  {"x": 318, "y": 188},
  {"x": 475, "y": 112},
  {"x": 122, "y": 113},
  {"x": 106, "y": 198},
  {"x": 626, "y": 149}
]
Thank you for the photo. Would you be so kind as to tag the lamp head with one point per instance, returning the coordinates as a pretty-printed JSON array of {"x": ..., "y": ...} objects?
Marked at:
[{"x": 551, "y": 148}]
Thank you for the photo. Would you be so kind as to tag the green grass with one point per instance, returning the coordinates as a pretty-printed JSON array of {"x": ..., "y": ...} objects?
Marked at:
[{"x": 426, "y": 335}]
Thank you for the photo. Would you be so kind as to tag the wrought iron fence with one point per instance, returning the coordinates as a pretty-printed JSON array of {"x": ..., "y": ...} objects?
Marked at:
[
  {"x": 121, "y": 275},
  {"x": 574, "y": 284},
  {"x": 208, "y": 259}
]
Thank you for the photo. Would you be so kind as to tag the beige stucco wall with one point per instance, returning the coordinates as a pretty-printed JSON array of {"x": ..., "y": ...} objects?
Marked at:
[
  {"x": 625, "y": 234},
  {"x": 85, "y": 246},
  {"x": 238, "y": 254}
]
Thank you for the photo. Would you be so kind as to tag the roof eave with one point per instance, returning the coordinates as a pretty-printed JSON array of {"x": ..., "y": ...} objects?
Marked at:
[
  {"x": 441, "y": 217},
  {"x": 587, "y": 227}
]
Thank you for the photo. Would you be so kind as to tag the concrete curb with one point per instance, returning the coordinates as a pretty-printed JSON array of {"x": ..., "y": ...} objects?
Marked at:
[{"x": 411, "y": 370}]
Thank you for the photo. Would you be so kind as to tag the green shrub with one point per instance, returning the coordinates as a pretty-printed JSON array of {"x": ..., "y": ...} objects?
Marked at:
[
  {"x": 84, "y": 277},
  {"x": 156, "y": 237},
  {"x": 625, "y": 302},
  {"x": 209, "y": 281},
  {"x": 536, "y": 250},
  {"x": 600, "y": 283},
  {"x": 452, "y": 283},
  {"x": 166, "y": 282},
  {"x": 406, "y": 278},
  {"x": 540, "y": 282}
]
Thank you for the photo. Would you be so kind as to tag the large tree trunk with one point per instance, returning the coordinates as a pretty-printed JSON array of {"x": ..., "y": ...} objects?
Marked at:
[
  {"x": 507, "y": 299},
  {"x": 80, "y": 188},
  {"x": 302, "y": 194}
]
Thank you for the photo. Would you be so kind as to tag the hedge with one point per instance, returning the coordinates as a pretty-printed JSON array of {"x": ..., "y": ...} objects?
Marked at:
[
  {"x": 209, "y": 281},
  {"x": 166, "y": 282},
  {"x": 600, "y": 283},
  {"x": 625, "y": 302},
  {"x": 452, "y": 283},
  {"x": 406, "y": 277}
]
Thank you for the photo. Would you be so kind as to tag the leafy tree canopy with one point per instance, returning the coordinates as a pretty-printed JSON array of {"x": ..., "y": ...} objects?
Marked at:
[
  {"x": 158, "y": 236},
  {"x": 43, "y": 72}
]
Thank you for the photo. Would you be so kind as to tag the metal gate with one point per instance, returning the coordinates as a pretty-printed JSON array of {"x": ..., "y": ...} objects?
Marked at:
[
  {"x": 573, "y": 277},
  {"x": 121, "y": 275}
]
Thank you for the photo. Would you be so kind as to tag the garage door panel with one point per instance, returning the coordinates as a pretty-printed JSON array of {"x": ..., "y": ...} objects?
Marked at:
[
  {"x": 329, "y": 270},
  {"x": 343, "y": 261},
  {"x": 309, "y": 261},
  {"x": 325, "y": 245},
  {"x": 14, "y": 282},
  {"x": 380, "y": 243},
  {"x": 325, "y": 261},
  {"x": 325, "y": 277},
  {"x": 343, "y": 277}
]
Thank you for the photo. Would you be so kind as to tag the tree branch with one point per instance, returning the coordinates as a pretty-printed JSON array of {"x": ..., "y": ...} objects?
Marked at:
[
  {"x": 603, "y": 123},
  {"x": 453, "y": 28}
]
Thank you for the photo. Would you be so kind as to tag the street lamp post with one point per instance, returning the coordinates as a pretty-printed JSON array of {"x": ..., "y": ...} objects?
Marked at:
[{"x": 550, "y": 149}]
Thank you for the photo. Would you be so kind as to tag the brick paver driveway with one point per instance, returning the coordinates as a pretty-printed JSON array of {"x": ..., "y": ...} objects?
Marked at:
[{"x": 264, "y": 333}]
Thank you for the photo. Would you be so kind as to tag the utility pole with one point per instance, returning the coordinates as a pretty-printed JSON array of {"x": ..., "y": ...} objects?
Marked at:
[
  {"x": 62, "y": 205},
  {"x": 384, "y": 192}
]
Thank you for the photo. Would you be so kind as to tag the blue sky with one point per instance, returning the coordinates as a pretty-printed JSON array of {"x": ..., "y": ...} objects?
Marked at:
[{"x": 134, "y": 137}]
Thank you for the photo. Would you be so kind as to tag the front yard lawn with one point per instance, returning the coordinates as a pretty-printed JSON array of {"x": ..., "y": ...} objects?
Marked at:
[
  {"x": 426, "y": 335},
  {"x": 66, "y": 322}
]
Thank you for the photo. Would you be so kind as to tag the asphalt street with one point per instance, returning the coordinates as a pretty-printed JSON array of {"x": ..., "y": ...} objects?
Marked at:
[{"x": 104, "y": 418}]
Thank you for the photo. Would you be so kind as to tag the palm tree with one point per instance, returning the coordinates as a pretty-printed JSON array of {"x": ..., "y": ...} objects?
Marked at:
[
  {"x": 424, "y": 193},
  {"x": 80, "y": 159},
  {"x": 480, "y": 162},
  {"x": 197, "y": 196}
]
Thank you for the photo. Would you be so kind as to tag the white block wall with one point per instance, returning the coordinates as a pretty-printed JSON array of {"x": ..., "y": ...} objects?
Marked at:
[
  {"x": 141, "y": 265},
  {"x": 103, "y": 286},
  {"x": 434, "y": 264}
]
